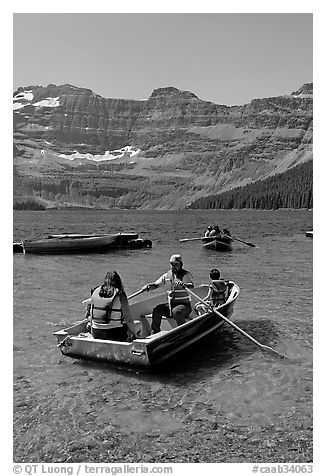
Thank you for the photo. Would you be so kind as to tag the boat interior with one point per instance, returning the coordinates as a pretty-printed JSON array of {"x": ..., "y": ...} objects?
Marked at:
[{"x": 142, "y": 314}]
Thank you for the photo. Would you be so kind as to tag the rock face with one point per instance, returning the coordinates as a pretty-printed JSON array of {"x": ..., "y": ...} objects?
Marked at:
[{"x": 161, "y": 152}]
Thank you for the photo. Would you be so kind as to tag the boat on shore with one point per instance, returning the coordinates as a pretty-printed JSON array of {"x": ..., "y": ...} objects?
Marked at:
[
  {"x": 147, "y": 350},
  {"x": 221, "y": 243},
  {"x": 83, "y": 243}
]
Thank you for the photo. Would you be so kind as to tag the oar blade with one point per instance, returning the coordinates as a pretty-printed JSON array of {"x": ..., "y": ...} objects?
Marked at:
[
  {"x": 242, "y": 241},
  {"x": 273, "y": 351},
  {"x": 232, "y": 324}
]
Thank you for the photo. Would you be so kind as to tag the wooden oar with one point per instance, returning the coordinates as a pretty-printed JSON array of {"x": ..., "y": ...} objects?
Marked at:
[
  {"x": 88, "y": 300},
  {"x": 213, "y": 309},
  {"x": 241, "y": 241},
  {"x": 193, "y": 239},
  {"x": 136, "y": 293}
]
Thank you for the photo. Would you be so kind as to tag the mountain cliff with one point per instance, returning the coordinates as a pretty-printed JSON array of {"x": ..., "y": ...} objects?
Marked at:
[{"x": 75, "y": 148}]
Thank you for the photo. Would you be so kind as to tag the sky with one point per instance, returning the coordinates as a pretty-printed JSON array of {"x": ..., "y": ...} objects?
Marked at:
[{"x": 226, "y": 58}]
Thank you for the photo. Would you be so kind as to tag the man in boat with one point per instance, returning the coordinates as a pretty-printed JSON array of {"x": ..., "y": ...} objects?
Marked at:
[
  {"x": 226, "y": 232},
  {"x": 207, "y": 232},
  {"x": 179, "y": 300}
]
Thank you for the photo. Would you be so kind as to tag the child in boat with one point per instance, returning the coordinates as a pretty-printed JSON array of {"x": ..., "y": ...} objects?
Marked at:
[{"x": 217, "y": 292}]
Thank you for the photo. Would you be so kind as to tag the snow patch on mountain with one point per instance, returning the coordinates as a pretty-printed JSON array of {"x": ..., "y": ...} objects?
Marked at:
[
  {"x": 24, "y": 95},
  {"x": 108, "y": 155},
  {"x": 24, "y": 99},
  {"x": 48, "y": 102},
  {"x": 18, "y": 105}
]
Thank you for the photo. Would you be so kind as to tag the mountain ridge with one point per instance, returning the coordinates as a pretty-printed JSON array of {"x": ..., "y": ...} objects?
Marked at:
[{"x": 174, "y": 145}]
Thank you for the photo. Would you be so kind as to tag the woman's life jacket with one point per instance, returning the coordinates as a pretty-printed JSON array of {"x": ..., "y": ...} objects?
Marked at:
[
  {"x": 219, "y": 291},
  {"x": 106, "y": 312}
]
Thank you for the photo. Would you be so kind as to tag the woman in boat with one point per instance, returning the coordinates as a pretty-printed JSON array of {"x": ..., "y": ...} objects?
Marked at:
[
  {"x": 217, "y": 292},
  {"x": 110, "y": 316},
  {"x": 179, "y": 300}
]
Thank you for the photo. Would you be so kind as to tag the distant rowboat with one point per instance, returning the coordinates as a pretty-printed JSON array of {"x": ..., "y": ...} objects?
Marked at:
[
  {"x": 223, "y": 243},
  {"x": 309, "y": 234}
]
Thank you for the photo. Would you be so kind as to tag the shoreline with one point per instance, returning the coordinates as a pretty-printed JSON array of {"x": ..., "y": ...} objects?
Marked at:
[{"x": 164, "y": 209}]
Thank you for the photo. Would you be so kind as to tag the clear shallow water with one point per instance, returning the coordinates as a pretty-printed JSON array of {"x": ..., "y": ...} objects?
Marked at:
[{"x": 224, "y": 377}]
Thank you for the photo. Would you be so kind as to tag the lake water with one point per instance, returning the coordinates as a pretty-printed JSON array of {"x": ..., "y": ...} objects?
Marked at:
[{"x": 225, "y": 379}]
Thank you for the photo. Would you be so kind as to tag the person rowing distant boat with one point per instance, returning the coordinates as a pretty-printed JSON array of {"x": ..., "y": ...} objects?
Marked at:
[{"x": 216, "y": 232}]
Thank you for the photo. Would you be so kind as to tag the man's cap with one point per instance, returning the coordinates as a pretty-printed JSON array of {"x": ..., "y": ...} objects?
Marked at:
[
  {"x": 176, "y": 259},
  {"x": 209, "y": 227}
]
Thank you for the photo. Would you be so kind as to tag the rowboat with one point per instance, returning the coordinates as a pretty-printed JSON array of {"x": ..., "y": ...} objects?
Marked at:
[
  {"x": 223, "y": 243},
  {"x": 309, "y": 233},
  {"x": 74, "y": 242},
  {"x": 69, "y": 244},
  {"x": 147, "y": 350},
  {"x": 120, "y": 237}
]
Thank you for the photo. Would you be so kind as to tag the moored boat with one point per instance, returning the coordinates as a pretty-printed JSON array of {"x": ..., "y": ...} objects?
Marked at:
[
  {"x": 119, "y": 237},
  {"x": 223, "y": 243},
  {"x": 75, "y": 242},
  {"x": 69, "y": 244},
  {"x": 147, "y": 350}
]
